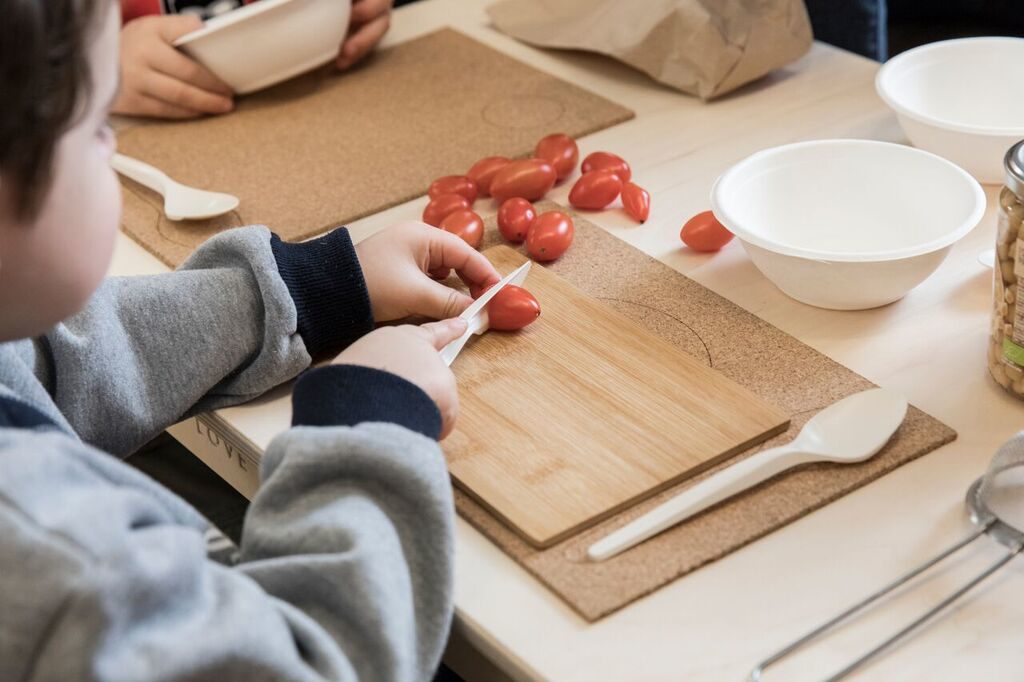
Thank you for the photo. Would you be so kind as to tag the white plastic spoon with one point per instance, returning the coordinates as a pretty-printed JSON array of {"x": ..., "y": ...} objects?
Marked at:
[
  {"x": 181, "y": 202},
  {"x": 848, "y": 431}
]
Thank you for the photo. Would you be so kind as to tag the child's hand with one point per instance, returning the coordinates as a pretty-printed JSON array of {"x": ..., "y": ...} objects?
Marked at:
[
  {"x": 402, "y": 264},
  {"x": 370, "y": 21},
  {"x": 411, "y": 352},
  {"x": 158, "y": 80}
]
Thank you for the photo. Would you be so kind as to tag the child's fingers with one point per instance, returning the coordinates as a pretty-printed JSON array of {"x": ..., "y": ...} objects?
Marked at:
[
  {"x": 440, "y": 274},
  {"x": 144, "y": 105},
  {"x": 169, "y": 61},
  {"x": 438, "y": 301},
  {"x": 185, "y": 95},
  {"x": 440, "y": 334},
  {"x": 367, "y": 10},
  {"x": 362, "y": 41},
  {"x": 450, "y": 251}
]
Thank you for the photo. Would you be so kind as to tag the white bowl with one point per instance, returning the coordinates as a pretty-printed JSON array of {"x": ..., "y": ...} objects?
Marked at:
[
  {"x": 258, "y": 45},
  {"x": 847, "y": 224},
  {"x": 960, "y": 99}
]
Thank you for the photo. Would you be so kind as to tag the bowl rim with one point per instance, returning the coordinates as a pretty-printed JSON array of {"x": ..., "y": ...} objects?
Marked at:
[
  {"x": 722, "y": 213},
  {"x": 219, "y": 23},
  {"x": 904, "y": 58}
]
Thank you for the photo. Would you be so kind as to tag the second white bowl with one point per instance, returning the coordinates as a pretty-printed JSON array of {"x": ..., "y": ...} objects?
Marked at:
[
  {"x": 266, "y": 42},
  {"x": 847, "y": 224},
  {"x": 960, "y": 99}
]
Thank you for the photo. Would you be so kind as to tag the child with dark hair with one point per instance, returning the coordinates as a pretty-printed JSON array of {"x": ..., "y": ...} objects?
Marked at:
[
  {"x": 344, "y": 568},
  {"x": 158, "y": 80}
]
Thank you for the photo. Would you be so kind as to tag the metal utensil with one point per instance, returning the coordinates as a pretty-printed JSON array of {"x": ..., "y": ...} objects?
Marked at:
[
  {"x": 181, "y": 202},
  {"x": 850, "y": 430},
  {"x": 987, "y": 522},
  {"x": 476, "y": 314}
]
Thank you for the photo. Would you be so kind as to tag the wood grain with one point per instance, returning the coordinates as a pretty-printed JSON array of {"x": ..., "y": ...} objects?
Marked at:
[{"x": 585, "y": 412}]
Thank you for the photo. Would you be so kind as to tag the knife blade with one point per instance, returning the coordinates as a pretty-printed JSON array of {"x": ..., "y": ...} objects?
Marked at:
[{"x": 473, "y": 313}]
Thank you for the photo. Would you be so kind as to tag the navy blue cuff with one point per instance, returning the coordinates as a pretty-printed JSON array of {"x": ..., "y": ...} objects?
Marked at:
[
  {"x": 346, "y": 395},
  {"x": 326, "y": 283}
]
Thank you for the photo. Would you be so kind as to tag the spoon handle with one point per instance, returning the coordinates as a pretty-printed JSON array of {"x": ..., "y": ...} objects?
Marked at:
[
  {"x": 140, "y": 172},
  {"x": 726, "y": 483}
]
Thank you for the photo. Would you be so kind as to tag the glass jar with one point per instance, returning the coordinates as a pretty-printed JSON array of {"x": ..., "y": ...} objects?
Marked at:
[{"x": 1006, "y": 352}]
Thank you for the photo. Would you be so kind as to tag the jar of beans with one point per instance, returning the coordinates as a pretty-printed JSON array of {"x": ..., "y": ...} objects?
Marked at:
[{"x": 1006, "y": 351}]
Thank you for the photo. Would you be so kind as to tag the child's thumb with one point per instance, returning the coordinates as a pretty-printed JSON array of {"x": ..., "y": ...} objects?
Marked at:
[
  {"x": 173, "y": 26},
  {"x": 444, "y": 332}
]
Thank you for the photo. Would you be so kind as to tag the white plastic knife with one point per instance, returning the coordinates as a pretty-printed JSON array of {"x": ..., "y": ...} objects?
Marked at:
[{"x": 476, "y": 314}]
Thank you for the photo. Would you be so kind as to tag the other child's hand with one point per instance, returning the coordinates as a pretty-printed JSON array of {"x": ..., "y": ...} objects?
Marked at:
[
  {"x": 158, "y": 80},
  {"x": 369, "y": 22}
]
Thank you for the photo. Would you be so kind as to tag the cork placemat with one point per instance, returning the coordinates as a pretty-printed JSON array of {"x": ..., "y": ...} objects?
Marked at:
[
  {"x": 769, "y": 362},
  {"x": 329, "y": 148}
]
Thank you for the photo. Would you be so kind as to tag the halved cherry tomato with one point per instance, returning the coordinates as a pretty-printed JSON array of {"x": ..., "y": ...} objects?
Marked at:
[
  {"x": 602, "y": 160},
  {"x": 550, "y": 236},
  {"x": 466, "y": 224},
  {"x": 483, "y": 172},
  {"x": 439, "y": 208},
  {"x": 595, "y": 190},
  {"x": 703, "y": 232},
  {"x": 454, "y": 184},
  {"x": 515, "y": 217},
  {"x": 530, "y": 179},
  {"x": 560, "y": 151},
  {"x": 512, "y": 308},
  {"x": 637, "y": 202}
]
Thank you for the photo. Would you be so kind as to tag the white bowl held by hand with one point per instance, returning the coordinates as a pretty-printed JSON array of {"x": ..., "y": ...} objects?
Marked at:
[
  {"x": 960, "y": 99},
  {"x": 259, "y": 45},
  {"x": 847, "y": 224}
]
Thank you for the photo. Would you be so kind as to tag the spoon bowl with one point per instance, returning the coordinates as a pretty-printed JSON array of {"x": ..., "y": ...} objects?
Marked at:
[
  {"x": 854, "y": 428},
  {"x": 182, "y": 202}
]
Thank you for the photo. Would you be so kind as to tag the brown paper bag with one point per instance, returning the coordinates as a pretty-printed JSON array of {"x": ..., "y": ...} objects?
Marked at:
[{"x": 702, "y": 47}]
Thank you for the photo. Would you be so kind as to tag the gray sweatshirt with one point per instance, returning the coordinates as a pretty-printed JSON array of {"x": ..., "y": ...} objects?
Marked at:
[{"x": 346, "y": 553}]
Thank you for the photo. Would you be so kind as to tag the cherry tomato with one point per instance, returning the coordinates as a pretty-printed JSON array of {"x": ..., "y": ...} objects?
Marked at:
[
  {"x": 703, "y": 232},
  {"x": 560, "y": 151},
  {"x": 454, "y": 184},
  {"x": 530, "y": 179},
  {"x": 595, "y": 190},
  {"x": 512, "y": 308},
  {"x": 550, "y": 236},
  {"x": 515, "y": 217},
  {"x": 483, "y": 172},
  {"x": 466, "y": 224},
  {"x": 602, "y": 160},
  {"x": 637, "y": 202},
  {"x": 439, "y": 208}
]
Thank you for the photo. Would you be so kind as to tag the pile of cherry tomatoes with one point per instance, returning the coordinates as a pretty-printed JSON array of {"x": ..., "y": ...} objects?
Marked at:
[{"x": 516, "y": 184}]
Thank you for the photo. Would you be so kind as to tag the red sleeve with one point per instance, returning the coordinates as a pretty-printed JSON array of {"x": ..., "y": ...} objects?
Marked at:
[{"x": 133, "y": 9}]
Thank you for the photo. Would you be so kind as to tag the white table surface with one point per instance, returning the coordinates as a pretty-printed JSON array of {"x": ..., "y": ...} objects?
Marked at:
[{"x": 714, "y": 624}]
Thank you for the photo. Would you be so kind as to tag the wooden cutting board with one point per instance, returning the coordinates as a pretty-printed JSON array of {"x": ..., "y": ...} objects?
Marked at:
[{"x": 585, "y": 412}]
